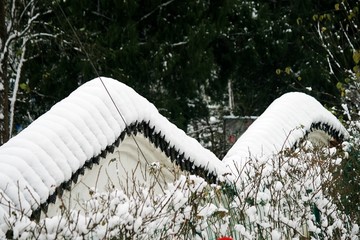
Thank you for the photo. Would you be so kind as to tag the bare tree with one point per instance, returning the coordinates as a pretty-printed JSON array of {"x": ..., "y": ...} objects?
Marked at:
[
  {"x": 17, "y": 22},
  {"x": 4, "y": 118}
]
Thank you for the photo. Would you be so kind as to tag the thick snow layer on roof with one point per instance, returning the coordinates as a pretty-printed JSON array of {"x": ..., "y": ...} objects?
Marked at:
[
  {"x": 57, "y": 144},
  {"x": 286, "y": 121}
]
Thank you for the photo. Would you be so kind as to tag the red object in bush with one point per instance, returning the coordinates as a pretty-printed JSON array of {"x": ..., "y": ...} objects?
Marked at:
[
  {"x": 225, "y": 238},
  {"x": 232, "y": 140}
]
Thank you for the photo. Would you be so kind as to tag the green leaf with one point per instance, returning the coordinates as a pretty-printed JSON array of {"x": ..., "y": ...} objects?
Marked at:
[
  {"x": 299, "y": 21},
  {"x": 340, "y": 86},
  {"x": 356, "y": 56},
  {"x": 337, "y": 7},
  {"x": 24, "y": 87},
  {"x": 288, "y": 70}
]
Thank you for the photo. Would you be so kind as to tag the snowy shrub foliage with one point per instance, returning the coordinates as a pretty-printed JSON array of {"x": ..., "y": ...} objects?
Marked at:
[
  {"x": 345, "y": 189},
  {"x": 286, "y": 197}
]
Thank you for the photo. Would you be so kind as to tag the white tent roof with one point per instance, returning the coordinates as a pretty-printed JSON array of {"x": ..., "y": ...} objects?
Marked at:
[
  {"x": 289, "y": 119},
  {"x": 53, "y": 149},
  {"x": 47, "y": 153}
]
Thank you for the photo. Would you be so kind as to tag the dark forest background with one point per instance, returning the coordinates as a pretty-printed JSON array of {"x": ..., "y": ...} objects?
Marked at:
[{"x": 185, "y": 56}]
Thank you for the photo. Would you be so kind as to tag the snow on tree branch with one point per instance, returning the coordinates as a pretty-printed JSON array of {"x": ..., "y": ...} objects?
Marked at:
[{"x": 21, "y": 19}]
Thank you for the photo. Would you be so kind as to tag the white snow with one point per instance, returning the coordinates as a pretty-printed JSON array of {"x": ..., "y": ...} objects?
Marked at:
[
  {"x": 242, "y": 230},
  {"x": 278, "y": 186},
  {"x": 251, "y": 213},
  {"x": 283, "y": 123},
  {"x": 57, "y": 144},
  {"x": 137, "y": 224},
  {"x": 275, "y": 235},
  {"x": 52, "y": 148}
]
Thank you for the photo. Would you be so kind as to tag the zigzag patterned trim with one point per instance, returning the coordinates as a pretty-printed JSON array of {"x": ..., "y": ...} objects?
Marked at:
[
  {"x": 156, "y": 138},
  {"x": 332, "y": 132}
]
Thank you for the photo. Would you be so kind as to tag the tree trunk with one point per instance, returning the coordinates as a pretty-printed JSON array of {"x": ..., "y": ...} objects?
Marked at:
[{"x": 4, "y": 81}]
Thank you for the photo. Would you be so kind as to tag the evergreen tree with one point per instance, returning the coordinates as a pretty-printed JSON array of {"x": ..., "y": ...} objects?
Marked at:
[
  {"x": 182, "y": 54},
  {"x": 163, "y": 49},
  {"x": 276, "y": 50}
]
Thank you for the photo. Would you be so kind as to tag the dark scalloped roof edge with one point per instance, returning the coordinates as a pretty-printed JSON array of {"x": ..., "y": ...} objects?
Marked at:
[
  {"x": 327, "y": 129},
  {"x": 155, "y": 137},
  {"x": 158, "y": 140}
]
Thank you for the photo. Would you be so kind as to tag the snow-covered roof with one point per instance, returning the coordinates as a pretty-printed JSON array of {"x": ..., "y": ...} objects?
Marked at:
[
  {"x": 44, "y": 159},
  {"x": 289, "y": 119}
]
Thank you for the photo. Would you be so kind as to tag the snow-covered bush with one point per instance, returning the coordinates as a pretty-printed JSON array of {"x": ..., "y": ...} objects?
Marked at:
[
  {"x": 286, "y": 197},
  {"x": 346, "y": 184},
  {"x": 188, "y": 209}
]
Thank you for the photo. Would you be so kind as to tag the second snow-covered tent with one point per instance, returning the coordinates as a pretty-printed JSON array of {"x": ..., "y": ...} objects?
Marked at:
[
  {"x": 103, "y": 135},
  {"x": 290, "y": 119}
]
